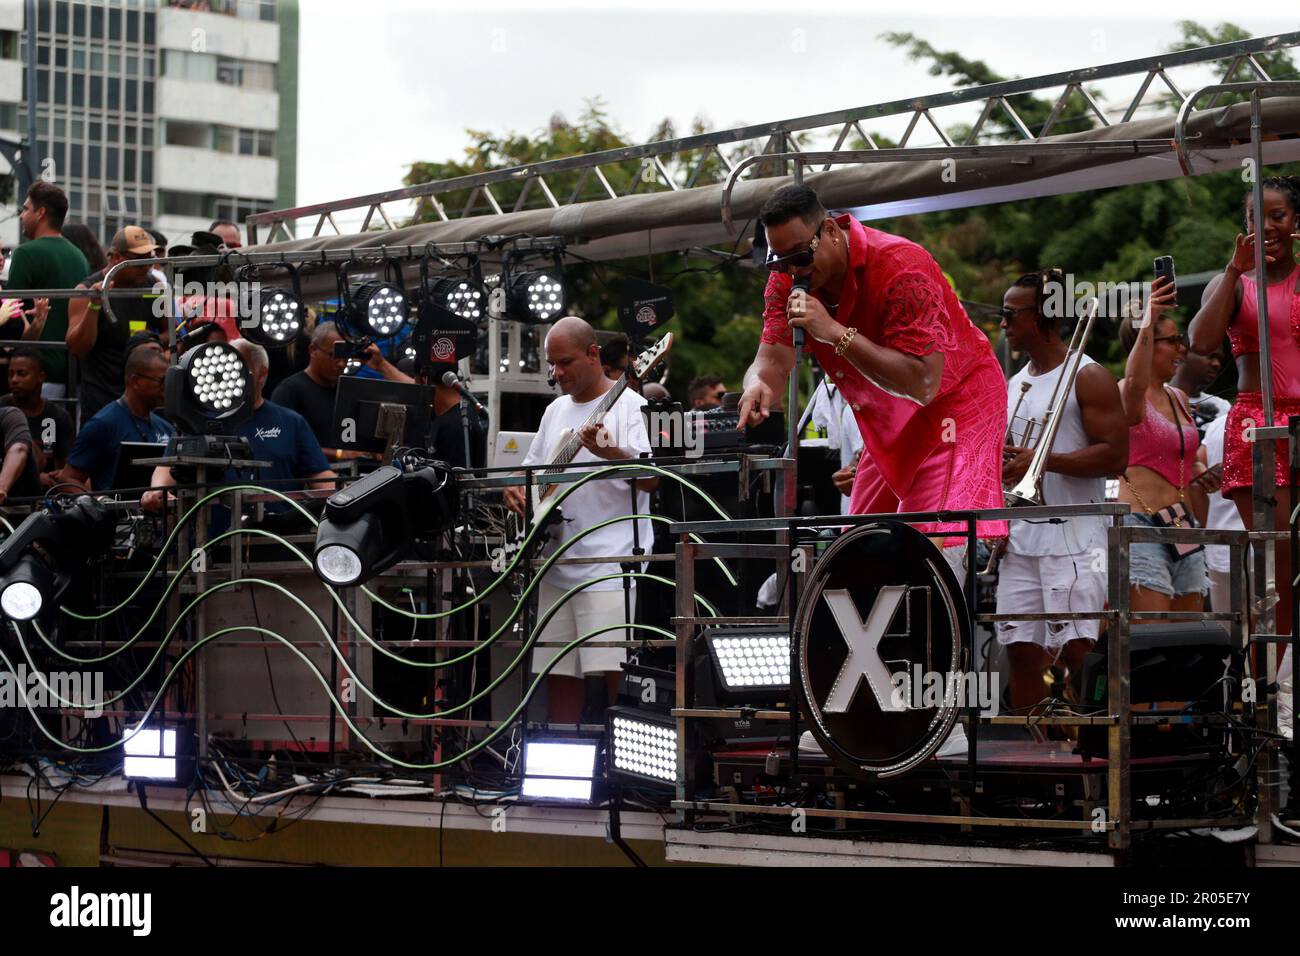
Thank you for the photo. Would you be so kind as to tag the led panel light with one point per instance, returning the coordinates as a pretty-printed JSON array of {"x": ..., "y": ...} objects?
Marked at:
[
  {"x": 560, "y": 769},
  {"x": 751, "y": 661},
  {"x": 149, "y": 754},
  {"x": 642, "y": 745}
]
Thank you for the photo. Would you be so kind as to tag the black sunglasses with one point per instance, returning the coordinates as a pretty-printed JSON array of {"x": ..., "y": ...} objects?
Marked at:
[
  {"x": 1179, "y": 338},
  {"x": 799, "y": 259}
]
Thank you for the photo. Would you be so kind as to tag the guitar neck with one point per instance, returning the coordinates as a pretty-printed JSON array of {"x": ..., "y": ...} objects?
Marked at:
[{"x": 570, "y": 447}]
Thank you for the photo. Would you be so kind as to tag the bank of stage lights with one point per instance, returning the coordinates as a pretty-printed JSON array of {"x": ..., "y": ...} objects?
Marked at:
[
  {"x": 373, "y": 523},
  {"x": 208, "y": 394},
  {"x": 38, "y": 560}
]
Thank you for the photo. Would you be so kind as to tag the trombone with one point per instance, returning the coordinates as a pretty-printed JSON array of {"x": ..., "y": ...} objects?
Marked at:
[{"x": 1029, "y": 489}]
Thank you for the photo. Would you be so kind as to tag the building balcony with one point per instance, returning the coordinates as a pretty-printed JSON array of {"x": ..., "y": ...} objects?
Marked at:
[
  {"x": 189, "y": 169},
  {"x": 220, "y": 35},
  {"x": 218, "y": 103}
]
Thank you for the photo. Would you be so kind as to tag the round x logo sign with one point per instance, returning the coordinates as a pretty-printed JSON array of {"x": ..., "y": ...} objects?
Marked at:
[{"x": 882, "y": 606}]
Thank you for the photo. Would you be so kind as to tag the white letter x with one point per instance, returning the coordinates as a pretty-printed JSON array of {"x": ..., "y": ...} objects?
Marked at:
[{"x": 863, "y": 639}]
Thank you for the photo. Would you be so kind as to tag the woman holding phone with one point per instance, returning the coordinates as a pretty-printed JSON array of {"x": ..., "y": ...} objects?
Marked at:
[{"x": 1166, "y": 481}]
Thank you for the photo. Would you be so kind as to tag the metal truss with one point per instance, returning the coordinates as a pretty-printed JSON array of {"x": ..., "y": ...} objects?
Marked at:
[{"x": 711, "y": 158}]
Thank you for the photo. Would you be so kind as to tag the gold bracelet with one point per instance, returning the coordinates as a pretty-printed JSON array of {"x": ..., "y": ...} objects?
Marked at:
[{"x": 845, "y": 339}]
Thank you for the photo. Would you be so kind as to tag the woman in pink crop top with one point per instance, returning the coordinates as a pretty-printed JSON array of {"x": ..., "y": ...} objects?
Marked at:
[
  {"x": 1165, "y": 461},
  {"x": 1229, "y": 306}
]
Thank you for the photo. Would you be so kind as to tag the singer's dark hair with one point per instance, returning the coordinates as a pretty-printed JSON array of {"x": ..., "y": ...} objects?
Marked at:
[{"x": 789, "y": 202}]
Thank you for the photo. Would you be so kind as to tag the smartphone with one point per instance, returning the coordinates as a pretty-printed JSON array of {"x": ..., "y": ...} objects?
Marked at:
[{"x": 1165, "y": 268}]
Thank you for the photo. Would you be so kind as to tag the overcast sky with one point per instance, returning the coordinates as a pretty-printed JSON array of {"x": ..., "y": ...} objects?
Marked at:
[{"x": 403, "y": 81}]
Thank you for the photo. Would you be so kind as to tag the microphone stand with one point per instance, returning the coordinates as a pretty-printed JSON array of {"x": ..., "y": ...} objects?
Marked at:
[{"x": 795, "y": 425}]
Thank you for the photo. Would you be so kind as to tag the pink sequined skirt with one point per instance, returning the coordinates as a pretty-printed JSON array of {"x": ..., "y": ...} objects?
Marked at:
[{"x": 1247, "y": 412}]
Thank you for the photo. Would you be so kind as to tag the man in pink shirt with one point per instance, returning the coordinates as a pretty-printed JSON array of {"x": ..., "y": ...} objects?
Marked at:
[{"x": 921, "y": 379}]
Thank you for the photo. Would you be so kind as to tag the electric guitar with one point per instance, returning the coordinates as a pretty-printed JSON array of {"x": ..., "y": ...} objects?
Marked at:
[{"x": 569, "y": 442}]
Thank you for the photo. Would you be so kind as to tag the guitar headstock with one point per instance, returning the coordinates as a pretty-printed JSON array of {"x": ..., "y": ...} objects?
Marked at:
[{"x": 652, "y": 356}]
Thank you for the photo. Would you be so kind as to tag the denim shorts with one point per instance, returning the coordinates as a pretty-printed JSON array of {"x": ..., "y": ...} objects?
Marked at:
[{"x": 1155, "y": 567}]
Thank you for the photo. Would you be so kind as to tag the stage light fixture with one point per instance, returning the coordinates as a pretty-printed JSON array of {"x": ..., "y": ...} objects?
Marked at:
[
  {"x": 459, "y": 296},
  {"x": 371, "y": 309},
  {"x": 279, "y": 320},
  {"x": 382, "y": 306},
  {"x": 38, "y": 560},
  {"x": 271, "y": 314},
  {"x": 560, "y": 769},
  {"x": 642, "y": 745},
  {"x": 535, "y": 297},
  {"x": 24, "y": 588},
  {"x": 150, "y": 754},
  {"x": 210, "y": 390},
  {"x": 748, "y": 662},
  {"x": 159, "y": 754},
  {"x": 372, "y": 523}
]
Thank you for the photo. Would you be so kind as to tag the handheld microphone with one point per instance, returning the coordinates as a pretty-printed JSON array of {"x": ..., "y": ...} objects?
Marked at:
[
  {"x": 451, "y": 380},
  {"x": 803, "y": 283}
]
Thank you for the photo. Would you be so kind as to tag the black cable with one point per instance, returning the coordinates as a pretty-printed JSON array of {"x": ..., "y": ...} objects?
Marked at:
[
  {"x": 266, "y": 653},
  {"x": 163, "y": 823}
]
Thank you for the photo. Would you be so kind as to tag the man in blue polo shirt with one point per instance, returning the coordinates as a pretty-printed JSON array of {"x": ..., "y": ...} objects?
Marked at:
[
  {"x": 131, "y": 417},
  {"x": 275, "y": 434}
]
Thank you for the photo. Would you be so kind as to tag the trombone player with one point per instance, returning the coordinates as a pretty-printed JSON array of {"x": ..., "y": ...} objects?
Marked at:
[{"x": 1059, "y": 565}]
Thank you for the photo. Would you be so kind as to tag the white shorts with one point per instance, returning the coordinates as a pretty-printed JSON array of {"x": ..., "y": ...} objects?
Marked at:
[
  {"x": 1042, "y": 585},
  {"x": 584, "y": 611}
]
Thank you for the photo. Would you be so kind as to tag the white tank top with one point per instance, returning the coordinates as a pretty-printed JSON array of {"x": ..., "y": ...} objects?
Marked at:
[{"x": 1073, "y": 535}]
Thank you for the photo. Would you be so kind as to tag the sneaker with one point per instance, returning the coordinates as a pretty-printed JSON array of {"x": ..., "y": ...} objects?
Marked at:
[
  {"x": 808, "y": 744},
  {"x": 956, "y": 744}
]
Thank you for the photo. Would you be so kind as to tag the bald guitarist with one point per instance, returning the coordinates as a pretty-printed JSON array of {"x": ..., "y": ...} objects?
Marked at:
[{"x": 583, "y": 417}]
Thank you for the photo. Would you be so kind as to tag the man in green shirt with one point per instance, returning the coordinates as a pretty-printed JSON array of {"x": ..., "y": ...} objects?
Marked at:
[{"x": 47, "y": 261}]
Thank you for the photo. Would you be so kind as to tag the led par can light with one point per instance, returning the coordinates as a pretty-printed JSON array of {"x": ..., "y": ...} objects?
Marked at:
[
  {"x": 381, "y": 307},
  {"x": 279, "y": 318},
  {"x": 642, "y": 746},
  {"x": 535, "y": 297},
  {"x": 459, "y": 296}
]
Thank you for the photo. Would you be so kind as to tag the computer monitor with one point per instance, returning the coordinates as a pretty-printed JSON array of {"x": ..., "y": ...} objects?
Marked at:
[
  {"x": 356, "y": 412},
  {"x": 129, "y": 473}
]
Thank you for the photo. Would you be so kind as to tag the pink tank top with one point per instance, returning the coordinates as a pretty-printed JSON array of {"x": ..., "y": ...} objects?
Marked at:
[
  {"x": 1283, "y": 331},
  {"x": 1153, "y": 443}
]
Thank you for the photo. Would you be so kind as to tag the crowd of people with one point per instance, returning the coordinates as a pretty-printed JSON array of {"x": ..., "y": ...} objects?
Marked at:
[{"x": 85, "y": 378}]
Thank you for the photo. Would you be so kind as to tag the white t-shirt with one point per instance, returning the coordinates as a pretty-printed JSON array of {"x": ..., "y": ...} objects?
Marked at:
[
  {"x": 598, "y": 499},
  {"x": 1073, "y": 535},
  {"x": 1223, "y": 514},
  {"x": 827, "y": 413}
]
